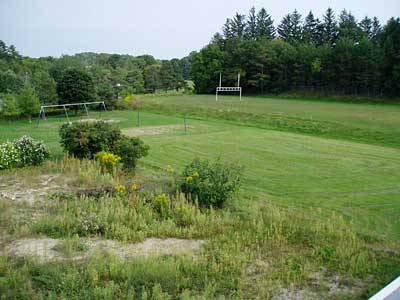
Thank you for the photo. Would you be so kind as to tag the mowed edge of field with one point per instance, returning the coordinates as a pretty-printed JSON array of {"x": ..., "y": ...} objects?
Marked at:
[{"x": 367, "y": 123}]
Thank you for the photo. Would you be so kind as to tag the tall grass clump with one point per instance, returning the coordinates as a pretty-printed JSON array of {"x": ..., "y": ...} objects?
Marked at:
[{"x": 210, "y": 183}]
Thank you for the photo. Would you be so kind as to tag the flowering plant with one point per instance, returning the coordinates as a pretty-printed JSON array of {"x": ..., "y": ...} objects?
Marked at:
[
  {"x": 210, "y": 183},
  {"x": 120, "y": 189},
  {"x": 108, "y": 160},
  {"x": 32, "y": 152},
  {"x": 24, "y": 151},
  {"x": 162, "y": 204},
  {"x": 9, "y": 156}
]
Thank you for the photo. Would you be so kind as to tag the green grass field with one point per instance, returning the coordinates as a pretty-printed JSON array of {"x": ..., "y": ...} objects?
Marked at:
[
  {"x": 370, "y": 123},
  {"x": 334, "y": 156},
  {"x": 317, "y": 215}
]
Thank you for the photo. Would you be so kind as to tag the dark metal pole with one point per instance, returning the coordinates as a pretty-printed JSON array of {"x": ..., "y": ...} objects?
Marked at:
[
  {"x": 66, "y": 113},
  {"x": 38, "y": 118},
  {"x": 138, "y": 117}
]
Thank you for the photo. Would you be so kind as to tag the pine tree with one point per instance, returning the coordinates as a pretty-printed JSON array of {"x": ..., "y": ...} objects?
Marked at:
[
  {"x": 234, "y": 27},
  {"x": 238, "y": 25},
  {"x": 329, "y": 27},
  {"x": 251, "y": 26},
  {"x": 296, "y": 26},
  {"x": 285, "y": 28},
  {"x": 376, "y": 28},
  {"x": 227, "y": 29},
  {"x": 265, "y": 25},
  {"x": 366, "y": 27},
  {"x": 348, "y": 27},
  {"x": 312, "y": 30}
]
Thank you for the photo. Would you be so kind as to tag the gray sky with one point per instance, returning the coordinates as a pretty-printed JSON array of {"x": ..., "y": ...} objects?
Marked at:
[{"x": 165, "y": 29}]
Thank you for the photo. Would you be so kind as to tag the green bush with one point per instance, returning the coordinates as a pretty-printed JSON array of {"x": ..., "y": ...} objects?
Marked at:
[
  {"x": 130, "y": 150},
  {"x": 9, "y": 156},
  {"x": 84, "y": 140},
  {"x": 210, "y": 183},
  {"x": 22, "y": 152},
  {"x": 32, "y": 153}
]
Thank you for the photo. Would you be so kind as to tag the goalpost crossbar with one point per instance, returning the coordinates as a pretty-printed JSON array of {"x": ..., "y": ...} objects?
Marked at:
[{"x": 221, "y": 88}]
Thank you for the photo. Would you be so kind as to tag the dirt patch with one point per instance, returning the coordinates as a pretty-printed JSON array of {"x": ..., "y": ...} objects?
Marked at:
[
  {"x": 152, "y": 130},
  {"x": 45, "y": 248},
  {"x": 150, "y": 247},
  {"x": 40, "y": 248},
  {"x": 16, "y": 190},
  {"x": 331, "y": 285},
  {"x": 291, "y": 294},
  {"x": 97, "y": 120}
]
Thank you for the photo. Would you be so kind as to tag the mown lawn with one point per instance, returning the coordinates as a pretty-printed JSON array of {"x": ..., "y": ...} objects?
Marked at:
[
  {"x": 307, "y": 164},
  {"x": 359, "y": 180},
  {"x": 370, "y": 123}
]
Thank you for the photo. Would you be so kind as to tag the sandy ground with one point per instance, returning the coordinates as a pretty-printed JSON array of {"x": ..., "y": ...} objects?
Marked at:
[
  {"x": 152, "y": 130},
  {"x": 45, "y": 249}
]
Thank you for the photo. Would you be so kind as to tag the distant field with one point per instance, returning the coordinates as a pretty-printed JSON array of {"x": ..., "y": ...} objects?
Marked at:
[
  {"x": 371, "y": 123},
  {"x": 359, "y": 180}
]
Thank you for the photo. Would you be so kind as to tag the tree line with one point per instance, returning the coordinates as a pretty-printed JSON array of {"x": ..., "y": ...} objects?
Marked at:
[
  {"x": 26, "y": 83},
  {"x": 334, "y": 52},
  {"x": 337, "y": 53}
]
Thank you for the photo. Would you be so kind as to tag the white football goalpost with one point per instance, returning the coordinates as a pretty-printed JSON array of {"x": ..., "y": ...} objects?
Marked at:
[
  {"x": 42, "y": 113},
  {"x": 221, "y": 88}
]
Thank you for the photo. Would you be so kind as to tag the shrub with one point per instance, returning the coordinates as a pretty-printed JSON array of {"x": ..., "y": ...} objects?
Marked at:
[
  {"x": 130, "y": 150},
  {"x": 32, "y": 153},
  {"x": 162, "y": 204},
  {"x": 212, "y": 184},
  {"x": 108, "y": 161},
  {"x": 9, "y": 156},
  {"x": 84, "y": 140},
  {"x": 22, "y": 152}
]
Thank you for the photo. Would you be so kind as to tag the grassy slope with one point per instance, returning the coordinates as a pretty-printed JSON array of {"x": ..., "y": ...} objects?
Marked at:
[
  {"x": 371, "y": 123},
  {"x": 359, "y": 180}
]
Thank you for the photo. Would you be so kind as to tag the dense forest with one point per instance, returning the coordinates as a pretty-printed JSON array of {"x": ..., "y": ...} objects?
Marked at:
[
  {"x": 27, "y": 82},
  {"x": 336, "y": 53}
]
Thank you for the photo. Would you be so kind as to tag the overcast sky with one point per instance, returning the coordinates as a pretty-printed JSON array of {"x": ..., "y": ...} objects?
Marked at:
[{"x": 162, "y": 28}]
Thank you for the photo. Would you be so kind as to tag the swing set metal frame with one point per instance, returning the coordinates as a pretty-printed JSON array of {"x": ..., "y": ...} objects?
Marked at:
[{"x": 42, "y": 113}]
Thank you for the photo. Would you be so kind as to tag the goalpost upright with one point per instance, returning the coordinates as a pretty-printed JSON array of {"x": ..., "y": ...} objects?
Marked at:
[{"x": 221, "y": 88}]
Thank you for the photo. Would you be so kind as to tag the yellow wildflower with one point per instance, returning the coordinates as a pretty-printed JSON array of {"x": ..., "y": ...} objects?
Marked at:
[
  {"x": 196, "y": 174},
  {"x": 169, "y": 169},
  {"x": 189, "y": 179},
  {"x": 133, "y": 187},
  {"x": 120, "y": 189}
]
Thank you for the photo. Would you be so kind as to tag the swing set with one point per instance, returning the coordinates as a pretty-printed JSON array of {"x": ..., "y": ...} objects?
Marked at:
[{"x": 84, "y": 105}]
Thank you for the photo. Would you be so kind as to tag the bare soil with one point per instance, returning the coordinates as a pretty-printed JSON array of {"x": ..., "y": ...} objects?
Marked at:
[
  {"x": 151, "y": 130},
  {"x": 44, "y": 249}
]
